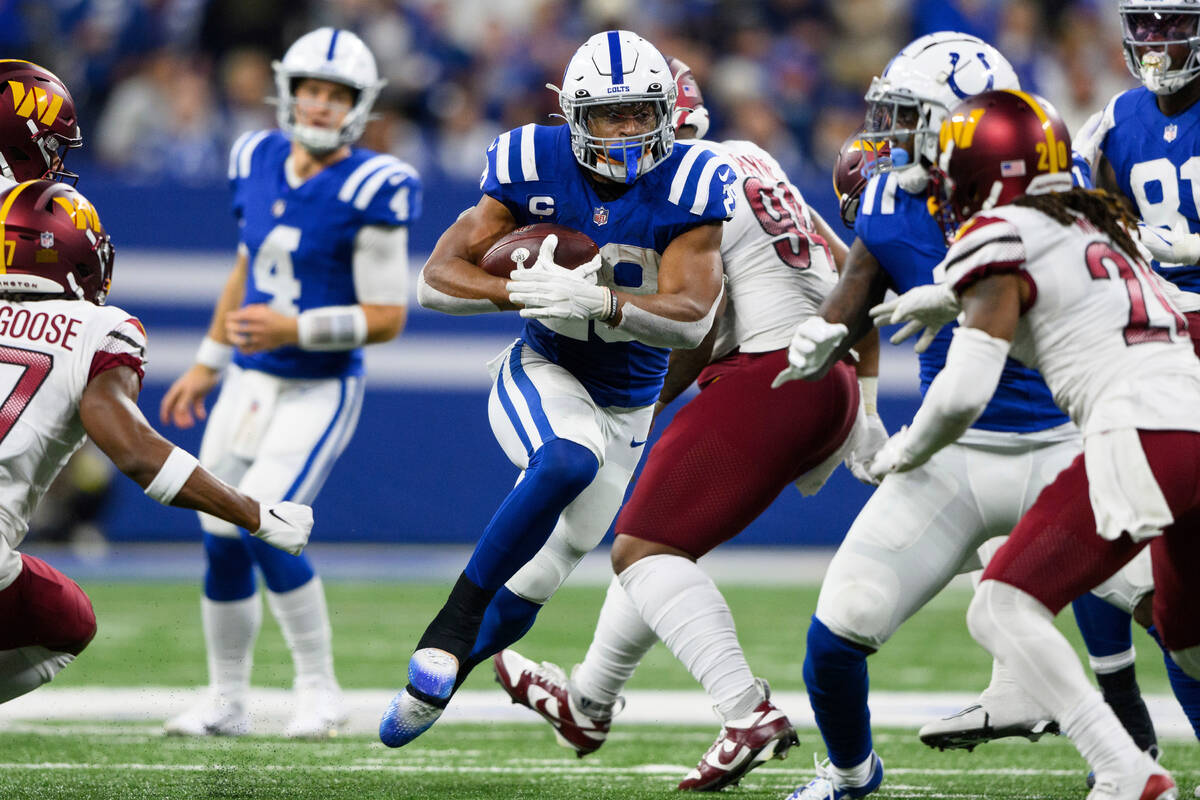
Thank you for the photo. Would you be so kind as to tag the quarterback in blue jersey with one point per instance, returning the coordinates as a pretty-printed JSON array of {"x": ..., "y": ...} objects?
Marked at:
[
  {"x": 321, "y": 270},
  {"x": 1143, "y": 146},
  {"x": 574, "y": 396},
  {"x": 914, "y": 535}
]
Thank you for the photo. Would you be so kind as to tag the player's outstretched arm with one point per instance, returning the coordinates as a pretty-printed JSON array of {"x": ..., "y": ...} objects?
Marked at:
[
  {"x": 183, "y": 404},
  {"x": 451, "y": 280},
  {"x": 110, "y": 416}
]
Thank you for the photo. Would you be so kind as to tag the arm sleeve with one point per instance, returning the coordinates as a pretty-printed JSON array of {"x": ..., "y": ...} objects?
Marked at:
[
  {"x": 380, "y": 265},
  {"x": 959, "y": 393}
]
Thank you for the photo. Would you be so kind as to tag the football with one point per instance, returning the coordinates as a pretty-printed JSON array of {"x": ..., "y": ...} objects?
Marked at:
[{"x": 520, "y": 248}]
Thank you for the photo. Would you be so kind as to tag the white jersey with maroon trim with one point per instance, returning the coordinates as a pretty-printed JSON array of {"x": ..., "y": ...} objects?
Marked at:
[
  {"x": 778, "y": 267},
  {"x": 49, "y": 350},
  {"x": 1113, "y": 350}
]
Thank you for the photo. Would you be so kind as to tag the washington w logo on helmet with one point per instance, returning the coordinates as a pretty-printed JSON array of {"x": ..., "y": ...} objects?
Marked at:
[
  {"x": 81, "y": 211},
  {"x": 26, "y": 100}
]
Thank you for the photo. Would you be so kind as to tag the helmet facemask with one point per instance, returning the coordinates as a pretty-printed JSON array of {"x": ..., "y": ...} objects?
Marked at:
[
  {"x": 622, "y": 158},
  {"x": 1150, "y": 33},
  {"x": 905, "y": 125}
]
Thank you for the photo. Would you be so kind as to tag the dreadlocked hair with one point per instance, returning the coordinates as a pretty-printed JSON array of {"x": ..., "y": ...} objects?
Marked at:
[{"x": 1102, "y": 209}]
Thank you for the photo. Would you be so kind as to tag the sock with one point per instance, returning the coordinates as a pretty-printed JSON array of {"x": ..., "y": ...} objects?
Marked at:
[
  {"x": 618, "y": 645},
  {"x": 304, "y": 619},
  {"x": 1098, "y": 735},
  {"x": 24, "y": 669},
  {"x": 1121, "y": 692},
  {"x": 230, "y": 629},
  {"x": 282, "y": 572},
  {"x": 456, "y": 626},
  {"x": 557, "y": 473},
  {"x": 1105, "y": 628},
  {"x": 1017, "y": 629},
  {"x": 835, "y": 675},
  {"x": 1185, "y": 687},
  {"x": 684, "y": 608},
  {"x": 508, "y": 617}
]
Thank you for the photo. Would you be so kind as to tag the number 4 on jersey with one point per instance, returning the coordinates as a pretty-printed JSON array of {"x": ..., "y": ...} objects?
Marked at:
[{"x": 273, "y": 271}]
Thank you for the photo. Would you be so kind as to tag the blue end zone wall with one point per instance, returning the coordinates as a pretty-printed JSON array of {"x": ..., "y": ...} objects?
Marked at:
[{"x": 424, "y": 468}]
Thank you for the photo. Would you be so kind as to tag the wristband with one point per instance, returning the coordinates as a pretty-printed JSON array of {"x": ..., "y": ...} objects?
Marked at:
[
  {"x": 868, "y": 395},
  {"x": 172, "y": 475},
  {"x": 213, "y": 354},
  {"x": 332, "y": 328},
  {"x": 611, "y": 304}
]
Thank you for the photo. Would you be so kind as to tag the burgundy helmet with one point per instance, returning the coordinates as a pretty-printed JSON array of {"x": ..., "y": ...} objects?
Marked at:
[
  {"x": 995, "y": 147},
  {"x": 857, "y": 161},
  {"x": 689, "y": 103},
  {"x": 37, "y": 122},
  {"x": 53, "y": 243}
]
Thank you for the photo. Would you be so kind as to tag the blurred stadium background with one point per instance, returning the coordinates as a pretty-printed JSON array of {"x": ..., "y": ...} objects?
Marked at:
[{"x": 165, "y": 86}]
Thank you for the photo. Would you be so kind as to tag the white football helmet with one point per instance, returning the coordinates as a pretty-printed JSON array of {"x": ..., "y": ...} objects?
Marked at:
[
  {"x": 615, "y": 68},
  {"x": 329, "y": 54},
  {"x": 1153, "y": 26},
  {"x": 919, "y": 86}
]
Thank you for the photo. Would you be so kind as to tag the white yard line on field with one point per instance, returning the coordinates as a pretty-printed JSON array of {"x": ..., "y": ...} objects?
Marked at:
[{"x": 271, "y": 708}]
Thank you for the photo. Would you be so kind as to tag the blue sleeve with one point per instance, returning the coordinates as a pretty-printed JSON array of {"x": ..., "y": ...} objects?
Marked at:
[
  {"x": 516, "y": 159},
  {"x": 398, "y": 200}
]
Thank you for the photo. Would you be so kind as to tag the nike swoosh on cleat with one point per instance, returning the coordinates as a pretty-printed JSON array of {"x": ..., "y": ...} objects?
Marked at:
[
  {"x": 725, "y": 759},
  {"x": 543, "y": 702}
]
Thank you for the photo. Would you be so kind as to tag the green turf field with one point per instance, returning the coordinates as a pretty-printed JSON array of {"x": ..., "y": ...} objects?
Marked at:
[{"x": 149, "y": 635}]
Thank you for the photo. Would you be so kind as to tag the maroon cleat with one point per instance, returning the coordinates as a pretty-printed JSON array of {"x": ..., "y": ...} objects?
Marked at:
[
  {"x": 742, "y": 745},
  {"x": 543, "y": 688}
]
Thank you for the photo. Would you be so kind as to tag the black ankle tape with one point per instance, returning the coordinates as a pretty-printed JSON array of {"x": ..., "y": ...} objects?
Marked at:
[
  {"x": 456, "y": 626},
  {"x": 437, "y": 702}
]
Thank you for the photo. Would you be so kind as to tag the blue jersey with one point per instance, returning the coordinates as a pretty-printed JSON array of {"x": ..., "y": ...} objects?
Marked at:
[
  {"x": 1156, "y": 160},
  {"x": 908, "y": 243},
  {"x": 300, "y": 241},
  {"x": 533, "y": 172}
]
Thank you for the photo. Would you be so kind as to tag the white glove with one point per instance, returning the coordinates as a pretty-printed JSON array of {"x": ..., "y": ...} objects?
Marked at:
[
  {"x": 870, "y": 436},
  {"x": 285, "y": 525},
  {"x": 1170, "y": 246},
  {"x": 891, "y": 457},
  {"x": 549, "y": 291},
  {"x": 923, "y": 307},
  {"x": 812, "y": 343}
]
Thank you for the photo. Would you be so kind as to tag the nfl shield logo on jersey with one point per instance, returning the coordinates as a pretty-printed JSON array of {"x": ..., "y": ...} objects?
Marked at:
[
  {"x": 1170, "y": 132},
  {"x": 600, "y": 215},
  {"x": 47, "y": 239}
]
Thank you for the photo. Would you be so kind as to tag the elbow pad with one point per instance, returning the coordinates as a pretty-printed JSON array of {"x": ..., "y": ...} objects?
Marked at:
[{"x": 657, "y": 331}]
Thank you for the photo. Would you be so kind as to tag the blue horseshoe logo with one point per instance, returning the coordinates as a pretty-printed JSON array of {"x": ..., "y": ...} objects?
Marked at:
[{"x": 959, "y": 93}]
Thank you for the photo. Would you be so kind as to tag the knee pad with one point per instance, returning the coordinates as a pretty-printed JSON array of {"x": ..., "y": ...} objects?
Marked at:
[
  {"x": 859, "y": 605},
  {"x": 1129, "y": 585},
  {"x": 282, "y": 572},
  {"x": 567, "y": 465},
  {"x": 540, "y": 577},
  {"x": 58, "y": 614},
  {"x": 230, "y": 572}
]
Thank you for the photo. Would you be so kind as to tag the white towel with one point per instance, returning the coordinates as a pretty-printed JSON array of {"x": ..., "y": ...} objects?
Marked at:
[{"x": 1124, "y": 494}]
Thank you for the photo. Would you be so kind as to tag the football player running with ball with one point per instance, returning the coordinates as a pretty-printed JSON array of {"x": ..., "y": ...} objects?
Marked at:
[
  {"x": 1052, "y": 275},
  {"x": 321, "y": 270},
  {"x": 75, "y": 369},
  {"x": 574, "y": 396},
  {"x": 779, "y": 260}
]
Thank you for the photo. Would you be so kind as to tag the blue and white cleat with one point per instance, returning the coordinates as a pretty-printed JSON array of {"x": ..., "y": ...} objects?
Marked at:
[
  {"x": 826, "y": 787},
  {"x": 431, "y": 672}
]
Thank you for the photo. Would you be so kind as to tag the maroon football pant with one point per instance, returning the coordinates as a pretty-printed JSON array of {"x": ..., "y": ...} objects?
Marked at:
[
  {"x": 1055, "y": 554},
  {"x": 731, "y": 450},
  {"x": 45, "y": 607},
  {"x": 1193, "y": 320}
]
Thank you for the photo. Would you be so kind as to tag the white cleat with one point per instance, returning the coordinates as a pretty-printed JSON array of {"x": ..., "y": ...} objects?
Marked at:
[
  {"x": 991, "y": 718},
  {"x": 215, "y": 715},
  {"x": 1145, "y": 781},
  {"x": 320, "y": 712}
]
